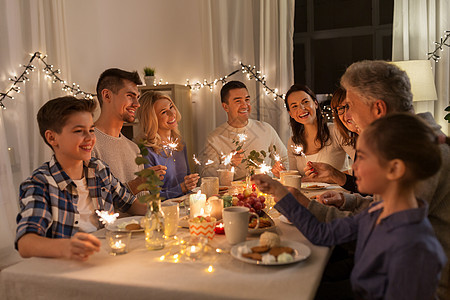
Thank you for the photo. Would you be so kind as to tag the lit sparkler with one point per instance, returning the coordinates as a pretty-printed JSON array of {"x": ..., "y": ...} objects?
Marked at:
[
  {"x": 106, "y": 217},
  {"x": 209, "y": 162},
  {"x": 242, "y": 137},
  {"x": 298, "y": 150},
  {"x": 264, "y": 168},
  {"x": 227, "y": 158}
]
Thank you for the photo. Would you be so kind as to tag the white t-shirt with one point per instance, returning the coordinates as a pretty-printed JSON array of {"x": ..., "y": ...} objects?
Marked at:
[
  {"x": 260, "y": 135},
  {"x": 88, "y": 221}
]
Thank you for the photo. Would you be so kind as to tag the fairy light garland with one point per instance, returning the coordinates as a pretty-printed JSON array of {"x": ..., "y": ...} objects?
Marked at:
[
  {"x": 50, "y": 72},
  {"x": 74, "y": 89},
  {"x": 440, "y": 47},
  {"x": 251, "y": 72}
]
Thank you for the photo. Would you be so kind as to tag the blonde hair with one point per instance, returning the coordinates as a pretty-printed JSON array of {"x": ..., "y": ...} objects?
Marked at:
[{"x": 148, "y": 122}]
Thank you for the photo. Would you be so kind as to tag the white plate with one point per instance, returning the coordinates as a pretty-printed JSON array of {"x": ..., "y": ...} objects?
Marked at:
[
  {"x": 283, "y": 219},
  {"x": 314, "y": 186},
  {"x": 121, "y": 223},
  {"x": 301, "y": 252}
]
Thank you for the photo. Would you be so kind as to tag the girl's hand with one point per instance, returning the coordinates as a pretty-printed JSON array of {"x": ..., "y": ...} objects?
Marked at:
[
  {"x": 267, "y": 185},
  {"x": 190, "y": 182},
  {"x": 277, "y": 168},
  {"x": 81, "y": 246},
  {"x": 331, "y": 198}
]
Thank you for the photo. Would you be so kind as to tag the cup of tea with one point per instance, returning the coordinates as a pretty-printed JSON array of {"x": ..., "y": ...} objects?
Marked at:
[
  {"x": 294, "y": 181},
  {"x": 235, "y": 221},
  {"x": 284, "y": 173}
]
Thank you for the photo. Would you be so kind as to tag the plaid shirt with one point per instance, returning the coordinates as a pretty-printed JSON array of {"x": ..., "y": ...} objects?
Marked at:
[{"x": 48, "y": 198}]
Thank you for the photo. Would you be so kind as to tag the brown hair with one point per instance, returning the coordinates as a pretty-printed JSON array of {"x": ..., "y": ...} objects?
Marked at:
[
  {"x": 349, "y": 137},
  {"x": 298, "y": 129},
  {"x": 113, "y": 80},
  {"x": 53, "y": 115},
  {"x": 404, "y": 136},
  {"x": 148, "y": 122},
  {"x": 225, "y": 91}
]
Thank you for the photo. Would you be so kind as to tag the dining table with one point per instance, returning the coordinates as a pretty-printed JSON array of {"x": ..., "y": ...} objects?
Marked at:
[{"x": 156, "y": 274}]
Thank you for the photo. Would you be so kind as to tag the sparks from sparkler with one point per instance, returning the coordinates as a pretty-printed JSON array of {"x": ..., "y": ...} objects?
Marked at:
[
  {"x": 227, "y": 158},
  {"x": 209, "y": 162},
  {"x": 298, "y": 150},
  {"x": 265, "y": 168},
  {"x": 171, "y": 145},
  {"x": 106, "y": 217},
  {"x": 197, "y": 162},
  {"x": 242, "y": 137}
]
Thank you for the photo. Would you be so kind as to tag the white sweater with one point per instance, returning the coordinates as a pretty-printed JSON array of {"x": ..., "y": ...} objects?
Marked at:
[
  {"x": 260, "y": 135},
  {"x": 334, "y": 153}
]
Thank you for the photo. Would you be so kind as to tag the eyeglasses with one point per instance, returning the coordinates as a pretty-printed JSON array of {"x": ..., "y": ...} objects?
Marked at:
[{"x": 340, "y": 110}]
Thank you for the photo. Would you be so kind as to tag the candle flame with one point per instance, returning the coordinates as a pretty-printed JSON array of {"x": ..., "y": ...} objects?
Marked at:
[
  {"x": 210, "y": 269},
  {"x": 106, "y": 217}
]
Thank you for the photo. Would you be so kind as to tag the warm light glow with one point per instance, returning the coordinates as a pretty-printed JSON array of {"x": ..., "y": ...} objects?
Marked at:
[
  {"x": 105, "y": 217},
  {"x": 196, "y": 160},
  {"x": 210, "y": 269},
  {"x": 162, "y": 258},
  {"x": 209, "y": 162}
]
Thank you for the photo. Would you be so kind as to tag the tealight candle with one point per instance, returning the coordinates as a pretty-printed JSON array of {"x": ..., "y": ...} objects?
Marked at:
[
  {"x": 197, "y": 204},
  {"x": 219, "y": 229},
  {"x": 193, "y": 251},
  {"x": 118, "y": 241}
]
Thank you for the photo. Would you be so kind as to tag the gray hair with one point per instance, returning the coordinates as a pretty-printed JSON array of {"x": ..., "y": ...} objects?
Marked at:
[{"x": 377, "y": 79}]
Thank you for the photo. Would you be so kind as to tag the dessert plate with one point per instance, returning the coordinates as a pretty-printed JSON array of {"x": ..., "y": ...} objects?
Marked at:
[
  {"x": 301, "y": 252},
  {"x": 272, "y": 227},
  {"x": 314, "y": 186},
  {"x": 120, "y": 224}
]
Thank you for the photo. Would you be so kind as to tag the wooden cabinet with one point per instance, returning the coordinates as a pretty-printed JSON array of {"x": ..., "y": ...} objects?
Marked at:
[{"x": 181, "y": 95}]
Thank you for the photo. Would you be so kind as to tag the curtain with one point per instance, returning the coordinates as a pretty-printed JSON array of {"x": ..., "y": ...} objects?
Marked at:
[
  {"x": 26, "y": 27},
  {"x": 417, "y": 25},
  {"x": 257, "y": 33}
]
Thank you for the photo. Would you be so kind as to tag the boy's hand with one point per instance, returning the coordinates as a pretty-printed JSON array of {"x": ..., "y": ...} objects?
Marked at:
[
  {"x": 160, "y": 170},
  {"x": 81, "y": 246},
  {"x": 190, "y": 182},
  {"x": 269, "y": 186},
  {"x": 277, "y": 168}
]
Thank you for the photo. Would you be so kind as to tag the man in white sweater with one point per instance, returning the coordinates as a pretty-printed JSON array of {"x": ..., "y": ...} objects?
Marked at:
[
  {"x": 260, "y": 135},
  {"x": 118, "y": 96}
]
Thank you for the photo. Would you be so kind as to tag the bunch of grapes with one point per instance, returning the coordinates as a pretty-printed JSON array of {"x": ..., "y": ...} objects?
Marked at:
[{"x": 251, "y": 200}]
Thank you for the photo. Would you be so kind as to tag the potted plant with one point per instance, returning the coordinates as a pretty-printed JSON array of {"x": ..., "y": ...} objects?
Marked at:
[{"x": 149, "y": 75}]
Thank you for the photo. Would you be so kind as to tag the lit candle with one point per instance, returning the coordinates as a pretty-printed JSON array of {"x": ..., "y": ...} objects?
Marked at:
[
  {"x": 219, "y": 229},
  {"x": 118, "y": 245},
  {"x": 197, "y": 202}
]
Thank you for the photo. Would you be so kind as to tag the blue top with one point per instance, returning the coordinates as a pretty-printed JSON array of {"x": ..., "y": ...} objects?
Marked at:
[
  {"x": 400, "y": 258},
  {"x": 177, "y": 167},
  {"x": 48, "y": 198}
]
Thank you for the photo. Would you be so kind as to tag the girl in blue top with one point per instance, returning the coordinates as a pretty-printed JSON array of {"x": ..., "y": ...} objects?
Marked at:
[
  {"x": 158, "y": 129},
  {"x": 397, "y": 254}
]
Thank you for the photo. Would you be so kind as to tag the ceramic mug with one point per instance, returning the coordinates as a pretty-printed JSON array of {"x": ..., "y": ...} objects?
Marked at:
[
  {"x": 284, "y": 173},
  {"x": 171, "y": 212},
  {"x": 294, "y": 181},
  {"x": 235, "y": 221}
]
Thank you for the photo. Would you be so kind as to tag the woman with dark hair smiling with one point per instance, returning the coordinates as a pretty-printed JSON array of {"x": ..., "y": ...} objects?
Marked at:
[{"x": 319, "y": 140}]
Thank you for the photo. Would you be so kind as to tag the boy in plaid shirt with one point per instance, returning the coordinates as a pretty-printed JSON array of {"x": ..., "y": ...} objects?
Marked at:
[{"x": 59, "y": 199}]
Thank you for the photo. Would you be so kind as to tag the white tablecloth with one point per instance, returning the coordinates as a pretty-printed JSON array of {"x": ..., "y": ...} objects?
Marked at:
[{"x": 141, "y": 275}]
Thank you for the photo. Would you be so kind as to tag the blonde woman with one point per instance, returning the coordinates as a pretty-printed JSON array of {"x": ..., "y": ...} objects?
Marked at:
[{"x": 158, "y": 128}]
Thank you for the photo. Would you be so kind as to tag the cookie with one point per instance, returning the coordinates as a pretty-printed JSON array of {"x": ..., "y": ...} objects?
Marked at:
[
  {"x": 260, "y": 249},
  {"x": 133, "y": 226},
  {"x": 275, "y": 251},
  {"x": 255, "y": 256}
]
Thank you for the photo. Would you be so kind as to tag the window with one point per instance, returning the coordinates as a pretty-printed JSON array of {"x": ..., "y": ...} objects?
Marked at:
[{"x": 332, "y": 34}]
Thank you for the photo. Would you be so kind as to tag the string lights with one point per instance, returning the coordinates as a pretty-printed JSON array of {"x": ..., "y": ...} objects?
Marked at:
[
  {"x": 74, "y": 89},
  {"x": 251, "y": 72},
  {"x": 439, "y": 46},
  {"x": 50, "y": 72}
]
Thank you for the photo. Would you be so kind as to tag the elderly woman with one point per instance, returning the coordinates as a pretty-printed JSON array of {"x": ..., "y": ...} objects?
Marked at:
[{"x": 158, "y": 129}]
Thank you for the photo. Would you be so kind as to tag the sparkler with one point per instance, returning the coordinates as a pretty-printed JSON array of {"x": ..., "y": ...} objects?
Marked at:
[
  {"x": 106, "y": 217},
  {"x": 298, "y": 150},
  {"x": 209, "y": 162},
  {"x": 242, "y": 137},
  {"x": 197, "y": 162}
]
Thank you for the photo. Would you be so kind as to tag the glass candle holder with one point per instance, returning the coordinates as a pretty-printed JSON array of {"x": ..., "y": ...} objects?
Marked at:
[{"x": 118, "y": 241}]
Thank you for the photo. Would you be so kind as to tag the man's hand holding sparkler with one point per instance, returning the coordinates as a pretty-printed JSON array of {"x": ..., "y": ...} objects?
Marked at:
[{"x": 190, "y": 182}]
